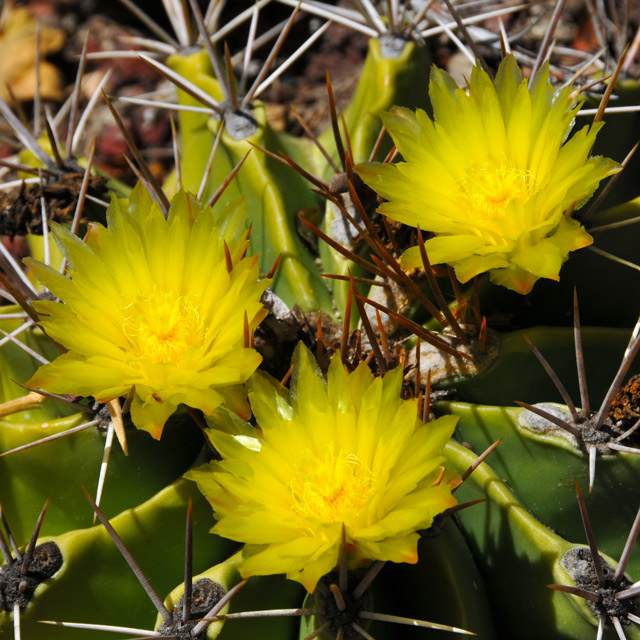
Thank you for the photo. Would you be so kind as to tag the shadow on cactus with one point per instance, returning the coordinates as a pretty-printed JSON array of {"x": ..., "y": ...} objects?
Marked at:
[
  {"x": 609, "y": 594},
  {"x": 594, "y": 432}
]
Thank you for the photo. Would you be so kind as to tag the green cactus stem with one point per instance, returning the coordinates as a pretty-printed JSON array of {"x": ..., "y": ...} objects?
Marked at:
[
  {"x": 518, "y": 557},
  {"x": 95, "y": 586},
  {"x": 383, "y": 82},
  {"x": 517, "y": 374},
  {"x": 274, "y": 194},
  {"x": 540, "y": 463},
  {"x": 29, "y": 477}
]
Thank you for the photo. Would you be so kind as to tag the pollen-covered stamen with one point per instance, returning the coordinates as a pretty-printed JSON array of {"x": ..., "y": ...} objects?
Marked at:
[
  {"x": 162, "y": 327},
  {"x": 332, "y": 486},
  {"x": 491, "y": 187}
]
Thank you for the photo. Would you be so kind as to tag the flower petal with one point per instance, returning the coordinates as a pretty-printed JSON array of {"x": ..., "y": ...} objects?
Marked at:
[
  {"x": 342, "y": 452},
  {"x": 492, "y": 176},
  {"x": 152, "y": 304}
]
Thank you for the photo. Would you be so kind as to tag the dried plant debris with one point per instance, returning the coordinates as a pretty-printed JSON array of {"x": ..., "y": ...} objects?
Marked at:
[
  {"x": 21, "y": 208},
  {"x": 445, "y": 365},
  {"x": 626, "y": 404}
]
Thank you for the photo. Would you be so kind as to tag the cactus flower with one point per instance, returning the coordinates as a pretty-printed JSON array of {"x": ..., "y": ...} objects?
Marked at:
[
  {"x": 346, "y": 452},
  {"x": 492, "y": 176},
  {"x": 156, "y": 306}
]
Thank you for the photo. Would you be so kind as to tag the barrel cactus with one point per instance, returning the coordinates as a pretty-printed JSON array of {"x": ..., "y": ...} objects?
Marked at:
[{"x": 385, "y": 372}]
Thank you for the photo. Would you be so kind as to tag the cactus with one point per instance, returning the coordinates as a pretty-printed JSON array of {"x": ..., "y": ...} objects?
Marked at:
[{"x": 418, "y": 461}]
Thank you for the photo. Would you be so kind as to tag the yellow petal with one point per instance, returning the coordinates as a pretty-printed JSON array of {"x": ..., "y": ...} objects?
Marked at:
[
  {"x": 342, "y": 452},
  {"x": 491, "y": 176},
  {"x": 150, "y": 304}
]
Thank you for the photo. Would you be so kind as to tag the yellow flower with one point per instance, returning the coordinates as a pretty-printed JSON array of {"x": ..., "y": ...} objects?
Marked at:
[
  {"x": 343, "y": 452},
  {"x": 492, "y": 176},
  {"x": 152, "y": 306}
]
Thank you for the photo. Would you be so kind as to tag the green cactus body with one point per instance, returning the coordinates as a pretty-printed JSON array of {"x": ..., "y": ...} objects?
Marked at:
[
  {"x": 94, "y": 585},
  {"x": 264, "y": 593},
  {"x": 261, "y": 593},
  {"x": 606, "y": 288},
  {"x": 518, "y": 556},
  {"x": 487, "y": 568},
  {"x": 517, "y": 374},
  {"x": 541, "y": 469},
  {"x": 29, "y": 477},
  {"x": 36, "y": 250},
  {"x": 621, "y": 132},
  {"x": 225, "y": 575},
  {"x": 17, "y": 366},
  {"x": 384, "y": 82},
  {"x": 196, "y": 137},
  {"x": 274, "y": 194},
  {"x": 310, "y": 624},
  {"x": 444, "y": 587}
]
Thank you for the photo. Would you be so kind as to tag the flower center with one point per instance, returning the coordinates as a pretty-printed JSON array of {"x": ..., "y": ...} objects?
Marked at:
[
  {"x": 330, "y": 487},
  {"x": 162, "y": 327},
  {"x": 490, "y": 188}
]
